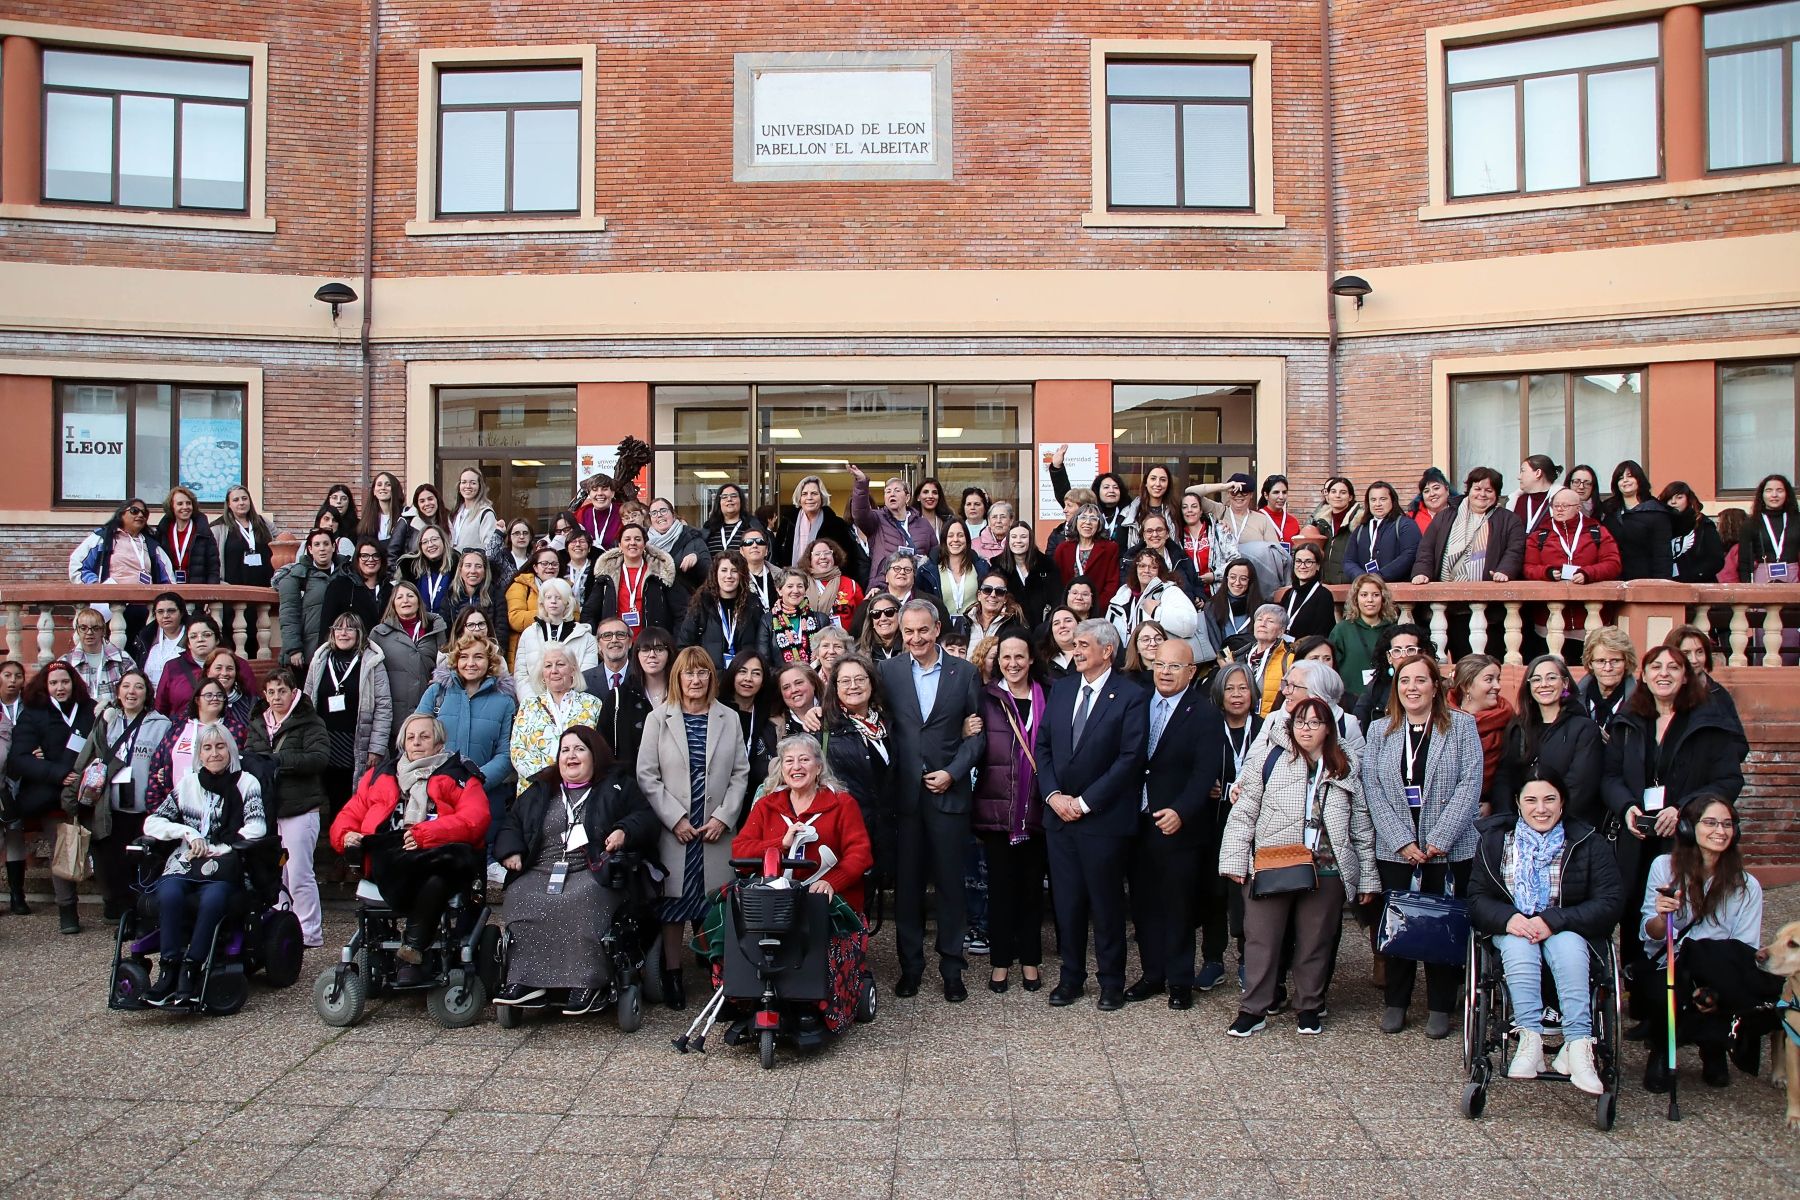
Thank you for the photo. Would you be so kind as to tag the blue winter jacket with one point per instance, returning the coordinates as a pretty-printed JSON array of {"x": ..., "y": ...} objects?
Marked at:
[{"x": 479, "y": 726}]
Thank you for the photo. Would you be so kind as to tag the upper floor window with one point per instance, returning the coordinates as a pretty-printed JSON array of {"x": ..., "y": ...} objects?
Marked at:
[
  {"x": 134, "y": 131},
  {"x": 1557, "y": 112},
  {"x": 1574, "y": 417},
  {"x": 1179, "y": 135},
  {"x": 509, "y": 141},
  {"x": 1752, "y": 104},
  {"x": 1756, "y": 423}
]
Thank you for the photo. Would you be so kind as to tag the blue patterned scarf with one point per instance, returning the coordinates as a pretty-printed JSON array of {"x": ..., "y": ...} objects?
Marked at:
[{"x": 1534, "y": 854}]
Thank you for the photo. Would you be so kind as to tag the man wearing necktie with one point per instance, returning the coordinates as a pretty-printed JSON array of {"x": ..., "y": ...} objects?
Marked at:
[
  {"x": 930, "y": 695},
  {"x": 1186, "y": 755},
  {"x": 1090, "y": 760},
  {"x": 614, "y": 636}
]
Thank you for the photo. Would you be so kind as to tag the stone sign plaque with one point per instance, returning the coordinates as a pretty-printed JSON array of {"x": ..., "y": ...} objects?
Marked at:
[{"x": 875, "y": 116}]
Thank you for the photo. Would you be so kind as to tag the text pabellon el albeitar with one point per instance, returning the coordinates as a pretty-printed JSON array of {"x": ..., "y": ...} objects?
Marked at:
[{"x": 848, "y": 139}]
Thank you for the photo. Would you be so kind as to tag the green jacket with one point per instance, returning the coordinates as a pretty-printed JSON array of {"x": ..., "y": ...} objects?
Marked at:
[{"x": 1355, "y": 646}]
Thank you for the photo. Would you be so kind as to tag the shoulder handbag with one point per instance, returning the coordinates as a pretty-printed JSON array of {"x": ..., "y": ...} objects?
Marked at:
[
  {"x": 1423, "y": 927},
  {"x": 1286, "y": 868}
]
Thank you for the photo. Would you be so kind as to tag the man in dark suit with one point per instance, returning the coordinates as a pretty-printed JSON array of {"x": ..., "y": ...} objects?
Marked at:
[
  {"x": 614, "y": 637},
  {"x": 930, "y": 696},
  {"x": 1090, "y": 762},
  {"x": 1185, "y": 754}
]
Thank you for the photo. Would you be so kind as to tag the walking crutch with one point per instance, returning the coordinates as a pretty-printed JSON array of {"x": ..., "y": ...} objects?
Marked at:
[{"x": 1669, "y": 948}]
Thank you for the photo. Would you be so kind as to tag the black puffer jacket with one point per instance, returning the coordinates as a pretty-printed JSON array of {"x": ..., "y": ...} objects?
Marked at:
[
  {"x": 202, "y": 551},
  {"x": 303, "y": 747},
  {"x": 1591, "y": 889},
  {"x": 613, "y": 803},
  {"x": 1704, "y": 753},
  {"x": 1644, "y": 535},
  {"x": 1572, "y": 747},
  {"x": 41, "y": 779}
]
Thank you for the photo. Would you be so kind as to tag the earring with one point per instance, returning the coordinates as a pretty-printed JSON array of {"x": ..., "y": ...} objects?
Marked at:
[{"x": 1565, "y": 694}]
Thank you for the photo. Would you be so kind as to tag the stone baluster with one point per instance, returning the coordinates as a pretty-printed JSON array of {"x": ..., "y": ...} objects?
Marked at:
[
  {"x": 1478, "y": 631},
  {"x": 46, "y": 635},
  {"x": 217, "y": 609},
  {"x": 1440, "y": 630},
  {"x": 264, "y": 629},
  {"x": 15, "y": 632},
  {"x": 234, "y": 637},
  {"x": 1555, "y": 629},
  {"x": 1740, "y": 636},
  {"x": 116, "y": 626},
  {"x": 1771, "y": 636},
  {"x": 1515, "y": 634},
  {"x": 1594, "y": 620},
  {"x": 1703, "y": 620}
]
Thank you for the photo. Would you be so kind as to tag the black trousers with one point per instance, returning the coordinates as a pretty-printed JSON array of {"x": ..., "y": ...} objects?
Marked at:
[
  {"x": 1087, "y": 876},
  {"x": 1723, "y": 966},
  {"x": 1441, "y": 982},
  {"x": 427, "y": 910},
  {"x": 1165, "y": 893},
  {"x": 114, "y": 867},
  {"x": 932, "y": 849},
  {"x": 1015, "y": 900},
  {"x": 1213, "y": 899}
]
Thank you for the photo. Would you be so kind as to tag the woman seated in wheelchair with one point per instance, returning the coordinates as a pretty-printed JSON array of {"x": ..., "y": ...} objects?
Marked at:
[
  {"x": 211, "y": 812},
  {"x": 420, "y": 819},
  {"x": 1717, "y": 910},
  {"x": 804, "y": 817},
  {"x": 1543, "y": 887},
  {"x": 553, "y": 841}
]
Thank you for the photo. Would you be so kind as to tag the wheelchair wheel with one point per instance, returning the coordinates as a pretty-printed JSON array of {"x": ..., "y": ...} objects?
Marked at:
[
  {"x": 1606, "y": 1111},
  {"x": 131, "y": 983},
  {"x": 653, "y": 969},
  {"x": 1474, "y": 1100},
  {"x": 1471, "y": 1005},
  {"x": 225, "y": 993},
  {"x": 866, "y": 1003},
  {"x": 631, "y": 1008},
  {"x": 508, "y": 1016},
  {"x": 766, "y": 1048},
  {"x": 458, "y": 1006},
  {"x": 488, "y": 958},
  {"x": 341, "y": 1006},
  {"x": 280, "y": 949}
]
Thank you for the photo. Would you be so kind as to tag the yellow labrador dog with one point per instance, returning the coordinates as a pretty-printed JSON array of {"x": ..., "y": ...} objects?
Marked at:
[{"x": 1782, "y": 957}]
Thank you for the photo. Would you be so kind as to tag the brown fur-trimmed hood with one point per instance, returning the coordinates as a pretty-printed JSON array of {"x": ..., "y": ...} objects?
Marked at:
[{"x": 661, "y": 565}]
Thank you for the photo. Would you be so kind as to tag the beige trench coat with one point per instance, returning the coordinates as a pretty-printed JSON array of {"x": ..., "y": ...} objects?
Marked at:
[{"x": 662, "y": 771}]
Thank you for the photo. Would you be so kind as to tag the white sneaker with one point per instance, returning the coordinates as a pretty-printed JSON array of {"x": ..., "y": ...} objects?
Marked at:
[
  {"x": 1576, "y": 1060},
  {"x": 1528, "y": 1060},
  {"x": 496, "y": 874}
]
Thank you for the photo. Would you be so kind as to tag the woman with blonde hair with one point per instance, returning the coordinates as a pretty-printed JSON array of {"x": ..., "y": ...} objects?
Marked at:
[
  {"x": 694, "y": 770},
  {"x": 557, "y": 624},
  {"x": 556, "y": 701},
  {"x": 474, "y": 523}
]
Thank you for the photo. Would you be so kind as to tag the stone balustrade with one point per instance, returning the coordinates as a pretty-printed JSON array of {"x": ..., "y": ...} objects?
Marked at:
[{"x": 40, "y": 617}]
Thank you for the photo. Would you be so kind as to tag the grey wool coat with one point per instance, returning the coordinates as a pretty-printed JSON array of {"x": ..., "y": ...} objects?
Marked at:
[
  {"x": 1453, "y": 769},
  {"x": 374, "y": 704},
  {"x": 662, "y": 772}
]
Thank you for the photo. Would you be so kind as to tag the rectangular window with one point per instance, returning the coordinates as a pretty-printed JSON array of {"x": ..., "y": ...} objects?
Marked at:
[
  {"x": 1555, "y": 113},
  {"x": 118, "y": 440},
  {"x": 1202, "y": 432},
  {"x": 131, "y": 131},
  {"x": 1756, "y": 423},
  {"x": 1179, "y": 135},
  {"x": 1594, "y": 417},
  {"x": 509, "y": 141},
  {"x": 521, "y": 440},
  {"x": 1752, "y": 103}
]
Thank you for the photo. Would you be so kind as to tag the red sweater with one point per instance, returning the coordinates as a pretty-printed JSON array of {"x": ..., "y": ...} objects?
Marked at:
[
  {"x": 1102, "y": 569},
  {"x": 1596, "y": 557},
  {"x": 461, "y": 801},
  {"x": 840, "y": 826}
]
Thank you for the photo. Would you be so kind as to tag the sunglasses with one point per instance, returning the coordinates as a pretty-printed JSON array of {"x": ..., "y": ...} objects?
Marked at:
[
  {"x": 990, "y": 590},
  {"x": 884, "y": 614},
  {"x": 755, "y": 542},
  {"x": 138, "y": 510}
]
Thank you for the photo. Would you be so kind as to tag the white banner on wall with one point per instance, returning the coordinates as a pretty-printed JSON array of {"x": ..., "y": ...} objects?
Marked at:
[
  {"x": 1082, "y": 462},
  {"x": 93, "y": 456}
]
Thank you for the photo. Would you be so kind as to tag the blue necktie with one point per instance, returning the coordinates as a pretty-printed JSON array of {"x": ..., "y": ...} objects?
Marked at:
[
  {"x": 1081, "y": 714},
  {"x": 1159, "y": 720}
]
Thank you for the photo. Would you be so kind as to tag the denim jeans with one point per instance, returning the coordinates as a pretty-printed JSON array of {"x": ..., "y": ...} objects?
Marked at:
[
  {"x": 1567, "y": 954},
  {"x": 172, "y": 892}
]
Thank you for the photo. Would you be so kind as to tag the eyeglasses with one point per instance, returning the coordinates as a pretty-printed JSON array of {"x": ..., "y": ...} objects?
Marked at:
[
  {"x": 1290, "y": 688},
  {"x": 884, "y": 614},
  {"x": 616, "y": 635},
  {"x": 89, "y": 627},
  {"x": 1714, "y": 823},
  {"x": 990, "y": 590},
  {"x": 755, "y": 542},
  {"x": 697, "y": 673},
  {"x": 1401, "y": 651},
  {"x": 662, "y": 512},
  {"x": 1542, "y": 680},
  {"x": 1175, "y": 666},
  {"x": 368, "y": 558},
  {"x": 1309, "y": 723}
]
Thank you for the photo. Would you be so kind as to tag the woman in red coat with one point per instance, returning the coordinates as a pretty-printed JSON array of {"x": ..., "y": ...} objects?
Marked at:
[
  {"x": 1090, "y": 555},
  {"x": 800, "y": 802},
  {"x": 421, "y": 821}
]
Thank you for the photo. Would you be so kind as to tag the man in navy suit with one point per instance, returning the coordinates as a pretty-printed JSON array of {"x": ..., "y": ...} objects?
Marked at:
[
  {"x": 930, "y": 695},
  {"x": 1185, "y": 756},
  {"x": 1090, "y": 762}
]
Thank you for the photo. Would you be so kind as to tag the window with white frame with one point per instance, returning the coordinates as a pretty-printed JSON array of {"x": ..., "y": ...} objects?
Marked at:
[
  {"x": 116, "y": 440},
  {"x": 1756, "y": 423},
  {"x": 1553, "y": 113},
  {"x": 1594, "y": 417},
  {"x": 137, "y": 131},
  {"x": 1752, "y": 103}
]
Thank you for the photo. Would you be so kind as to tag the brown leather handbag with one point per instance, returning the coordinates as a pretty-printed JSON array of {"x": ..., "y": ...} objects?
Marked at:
[{"x": 1282, "y": 870}]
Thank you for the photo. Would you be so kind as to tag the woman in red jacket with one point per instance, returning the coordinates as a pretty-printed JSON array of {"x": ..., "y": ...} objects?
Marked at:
[
  {"x": 802, "y": 800},
  {"x": 1090, "y": 555},
  {"x": 421, "y": 821}
]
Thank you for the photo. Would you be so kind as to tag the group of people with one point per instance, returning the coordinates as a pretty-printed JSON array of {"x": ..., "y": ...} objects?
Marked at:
[{"x": 1157, "y": 710}]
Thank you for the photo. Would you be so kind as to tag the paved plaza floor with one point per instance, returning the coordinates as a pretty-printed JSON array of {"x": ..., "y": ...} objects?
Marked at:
[{"x": 1001, "y": 1096}]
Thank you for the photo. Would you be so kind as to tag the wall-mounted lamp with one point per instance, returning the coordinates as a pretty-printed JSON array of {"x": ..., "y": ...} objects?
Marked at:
[
  {"x": 337, "y": 295},
  {"x": 1351, "y": 285}
]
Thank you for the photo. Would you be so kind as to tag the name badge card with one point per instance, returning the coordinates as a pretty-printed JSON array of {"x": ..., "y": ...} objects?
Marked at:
[
  {"x": 1415, "y": 797},
  {"x": 1653, "y": 798},
  {"x": 335, "y": 703}
]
